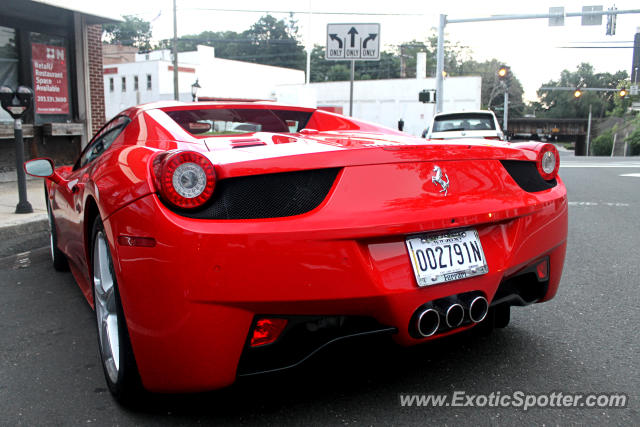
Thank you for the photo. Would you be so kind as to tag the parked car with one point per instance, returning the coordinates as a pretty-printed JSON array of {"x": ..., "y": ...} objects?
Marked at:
[
  {"x": 210, "y": 257},
  {"x": 464, "y": 124}
]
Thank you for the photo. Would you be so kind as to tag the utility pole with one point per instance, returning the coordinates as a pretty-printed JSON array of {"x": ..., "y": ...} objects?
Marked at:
[
  {"x": 308, "y": 46},
  {"x": 176, "y": 91},
  {"x": 635, "y": 64},
  {"x": 588, "y": 131},
  {"x": 440, "y": 64}
]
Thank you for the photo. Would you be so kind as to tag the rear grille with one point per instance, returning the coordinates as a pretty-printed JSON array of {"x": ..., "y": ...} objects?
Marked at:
[
  {"x": 526, "y": 175},
  {"x": 273, "y": 195}
]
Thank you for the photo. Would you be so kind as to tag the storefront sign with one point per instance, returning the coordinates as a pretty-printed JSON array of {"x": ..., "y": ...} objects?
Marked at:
[{"x": 50, "y": 79}]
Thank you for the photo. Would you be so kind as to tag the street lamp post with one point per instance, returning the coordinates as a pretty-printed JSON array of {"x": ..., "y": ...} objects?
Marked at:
[{"x": 194, "y": 91}]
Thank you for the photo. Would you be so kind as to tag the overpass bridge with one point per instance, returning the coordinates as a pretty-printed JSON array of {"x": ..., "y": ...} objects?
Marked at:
[
  {"x": 552, "y": 130},
  {"x": 565, "y": 129}
]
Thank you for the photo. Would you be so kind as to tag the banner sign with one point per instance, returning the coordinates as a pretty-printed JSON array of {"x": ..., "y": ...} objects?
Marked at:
[{"x": 51, "y": 88}]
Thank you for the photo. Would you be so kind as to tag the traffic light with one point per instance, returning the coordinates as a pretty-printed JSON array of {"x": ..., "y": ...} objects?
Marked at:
[
  {"x": 611, "y": 22},
  {"x": 503, "y": 72},
  {"x": 623, "y": 92},
  {"x": 577, "y": 93},
  {"x": 427, "y": 96},
  {"x": 424, "y": 96}
]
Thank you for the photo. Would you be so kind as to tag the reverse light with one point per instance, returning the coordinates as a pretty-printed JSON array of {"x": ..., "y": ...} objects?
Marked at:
[
  {"x": 548, "y": 162},
  {"x": 267, "y": 330},
  {"x": 185, "y": 179}
]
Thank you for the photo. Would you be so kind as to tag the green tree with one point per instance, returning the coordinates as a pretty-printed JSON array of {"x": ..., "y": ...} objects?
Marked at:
[
  {"x": 131, "y": 32},
  {"x": 621, "y": 105},
  {"x": 634, "y": 138},
  {"x": 492, "y": 91},
  {"x": 563, "y": 103},
  {"x": 269, "y": 41},
  {"x": 323, "y": 70},
  {"x": 603, "y": 143}
]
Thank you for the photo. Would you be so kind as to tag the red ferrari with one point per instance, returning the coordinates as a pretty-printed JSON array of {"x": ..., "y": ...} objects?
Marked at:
[{"x": 218, "y": 240}]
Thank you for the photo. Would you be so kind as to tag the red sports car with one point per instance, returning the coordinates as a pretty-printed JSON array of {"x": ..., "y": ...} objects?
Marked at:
[{"x": 217, "y": 240}]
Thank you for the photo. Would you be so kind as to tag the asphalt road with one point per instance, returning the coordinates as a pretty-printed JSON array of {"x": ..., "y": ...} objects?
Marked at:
[{"x": 584, "y": 341}]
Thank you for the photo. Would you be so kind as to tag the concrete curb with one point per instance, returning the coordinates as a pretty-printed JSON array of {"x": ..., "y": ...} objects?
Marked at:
[{"x": 24, "y": 236}]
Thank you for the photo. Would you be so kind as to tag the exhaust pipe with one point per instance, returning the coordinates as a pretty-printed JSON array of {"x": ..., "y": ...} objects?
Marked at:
[
  {"x": 478, "y": 309},
  {"x": 454, "y": 315},
  {"x": 428, "y": 322}
]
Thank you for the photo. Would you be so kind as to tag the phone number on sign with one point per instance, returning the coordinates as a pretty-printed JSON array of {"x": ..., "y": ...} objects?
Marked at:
[{"x": 41, "y": 98}]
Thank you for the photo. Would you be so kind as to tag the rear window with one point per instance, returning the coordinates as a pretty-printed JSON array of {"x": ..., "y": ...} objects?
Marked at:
[
  {"x": 466, "y": 121},
  {"x": 235, "y": 121}
]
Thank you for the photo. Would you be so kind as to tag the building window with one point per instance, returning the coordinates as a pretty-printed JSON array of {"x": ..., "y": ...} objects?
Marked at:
[
  {"x": 135, "y": 83},
  {"x": 148, "y": 81},
  {"x": 111, "y": 84},
  {"x": 124, "y": 84}
]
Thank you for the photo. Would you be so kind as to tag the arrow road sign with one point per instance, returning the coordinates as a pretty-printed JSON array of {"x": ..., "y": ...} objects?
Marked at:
[
  {"x": 353, "y": 42},
  {"x": 368, "y": 39},
  {"x": 352, "y": 32},
  {"x": 337, "y": 39}
]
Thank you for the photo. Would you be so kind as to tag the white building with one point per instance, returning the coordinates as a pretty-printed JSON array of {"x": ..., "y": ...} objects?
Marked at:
[
  {"x": 150, "y": 78},
  {"x": 387, "y": 101}
]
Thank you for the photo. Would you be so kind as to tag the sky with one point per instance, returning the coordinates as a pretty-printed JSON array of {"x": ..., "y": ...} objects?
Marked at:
[{"x": 535, "y": 51}]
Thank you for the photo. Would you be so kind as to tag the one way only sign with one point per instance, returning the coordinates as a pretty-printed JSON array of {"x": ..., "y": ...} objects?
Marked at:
[{"x": 353, "y": 42}]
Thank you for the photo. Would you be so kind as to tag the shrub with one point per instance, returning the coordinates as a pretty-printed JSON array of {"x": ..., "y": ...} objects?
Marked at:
[
  {"x": 634, "y": 142},
  {"x": 602, "y": 145}
]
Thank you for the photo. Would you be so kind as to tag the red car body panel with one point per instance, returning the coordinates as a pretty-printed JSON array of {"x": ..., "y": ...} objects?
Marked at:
[{"x": 191, "y": 299}]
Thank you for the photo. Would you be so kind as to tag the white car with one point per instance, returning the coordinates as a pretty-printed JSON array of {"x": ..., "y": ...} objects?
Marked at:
[{"x": 464, "y": 124}]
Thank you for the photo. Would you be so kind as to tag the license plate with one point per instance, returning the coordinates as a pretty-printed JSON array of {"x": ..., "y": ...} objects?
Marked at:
[{"x": 446, "y": 256}]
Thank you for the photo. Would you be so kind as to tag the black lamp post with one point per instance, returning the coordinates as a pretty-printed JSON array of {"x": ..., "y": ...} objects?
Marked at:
[
  {"x": 194, "y": 90},
  {"x": 16, "y": 103}
]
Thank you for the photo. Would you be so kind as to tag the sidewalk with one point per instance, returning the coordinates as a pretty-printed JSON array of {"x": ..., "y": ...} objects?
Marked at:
[{"x": 22, "y": 232}]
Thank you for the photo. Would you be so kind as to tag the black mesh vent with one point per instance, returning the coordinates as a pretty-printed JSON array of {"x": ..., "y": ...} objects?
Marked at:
[
  {"x": 267, "y": 196},
  {"x": 526, "y": 175}
]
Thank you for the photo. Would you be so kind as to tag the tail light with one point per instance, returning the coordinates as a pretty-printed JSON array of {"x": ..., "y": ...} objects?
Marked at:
[
  {"x": 185, "y": 179},
  {"x": 493, "y": 138},
  {"x": 548, "y": 162},
  {"x": 542, "y": 269}
]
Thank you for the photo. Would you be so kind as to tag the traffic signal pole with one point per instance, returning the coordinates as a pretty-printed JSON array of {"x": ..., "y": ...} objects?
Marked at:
[
  {"x": 506, "y": 111},
  {"x": 353, "y": 74},
  {"x": 444, "y": 21}
]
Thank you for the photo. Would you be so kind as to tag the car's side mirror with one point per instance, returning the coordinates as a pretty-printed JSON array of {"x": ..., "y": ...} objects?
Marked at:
[{"x": 42, "y": 168}]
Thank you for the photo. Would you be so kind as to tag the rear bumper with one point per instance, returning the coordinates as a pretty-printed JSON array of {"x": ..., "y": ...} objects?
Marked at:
[{"x": 190, "y": 301}]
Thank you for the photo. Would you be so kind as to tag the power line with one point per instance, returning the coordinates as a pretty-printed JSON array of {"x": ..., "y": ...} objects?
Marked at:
[
  {"x": 300, "y": 11},
  {"x": 594, "y": 47}
]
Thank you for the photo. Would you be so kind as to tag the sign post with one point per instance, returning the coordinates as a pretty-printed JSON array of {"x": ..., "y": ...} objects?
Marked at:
[{"x": 353, "y": 42}]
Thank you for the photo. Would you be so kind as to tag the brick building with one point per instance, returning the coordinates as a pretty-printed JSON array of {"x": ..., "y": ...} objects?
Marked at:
[{"x": 56, "y": 50}]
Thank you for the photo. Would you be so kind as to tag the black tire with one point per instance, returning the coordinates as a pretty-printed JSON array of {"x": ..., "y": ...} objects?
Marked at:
[
  {"x": 58, "y": 258},
  {"x": 125, "y": 386}
]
